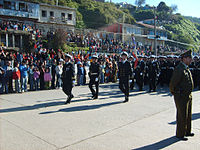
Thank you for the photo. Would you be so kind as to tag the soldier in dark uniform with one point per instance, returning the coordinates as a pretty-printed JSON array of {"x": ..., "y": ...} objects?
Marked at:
[
  {"x": 132, "y": 62},
  {"x": 170, "y": 68},
  {"x": 124, "y": 75},
  {"x": 140, "y": 73},
  {"x": 153, "y": 71},
  {"x": 68, "y": 78},
  {"x": 198, "y": 73},
  {"x": 163, "y": 71},
  {"x": 181, "y": 86},
  {"x": 94, "y": 74}
]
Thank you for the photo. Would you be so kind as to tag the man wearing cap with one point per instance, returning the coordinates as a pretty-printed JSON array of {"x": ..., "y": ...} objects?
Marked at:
[
  {"x": 94, "y": 74},
  {"x": 181, "y": 86},
  {"x": 68, "y": 78},
  {"x": 124, "y": 75},
  {"x": 153, "y": 71},
  {"x": 140, "y": 73}
]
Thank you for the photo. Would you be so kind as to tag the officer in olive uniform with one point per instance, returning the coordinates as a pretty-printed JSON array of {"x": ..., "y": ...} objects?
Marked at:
[
  {"x": 94, "y": 74},
  {"x": 68, "y": 78},
  {"x": 181, "y": 86},
  {"x": 124, "y": 75}
]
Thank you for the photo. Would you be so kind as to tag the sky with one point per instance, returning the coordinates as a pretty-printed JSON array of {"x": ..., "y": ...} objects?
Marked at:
[{"x": 185, "y": 7}]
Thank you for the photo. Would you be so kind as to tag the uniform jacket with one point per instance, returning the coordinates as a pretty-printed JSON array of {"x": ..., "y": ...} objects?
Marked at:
[
  {"x": 94, "y": 70},
  {"x": 181, "y": 81},
  {"x": 68, "y": 73},
  {"x": 125, "y": 69}
]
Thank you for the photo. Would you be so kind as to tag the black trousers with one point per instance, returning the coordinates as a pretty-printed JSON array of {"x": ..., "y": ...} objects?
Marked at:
[
  {"x": 67, "y": 88},
  {"x": 140, "y": 82},
  {"x": 124, "y": 85},
  {"x": 132, "y": 84},
  {"x": 184, "y": 114},
  {"x": 53, "y": 81},
  {"x": 10, "y": 85},
  {"x": 91, "y": 83},
  {"x": 152, "y": 84}
]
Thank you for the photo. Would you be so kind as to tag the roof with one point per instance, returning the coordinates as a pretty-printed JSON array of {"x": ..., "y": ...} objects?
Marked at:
[
  {"x": 148, "y": 26},
  {"x": 55, "y": 6}
]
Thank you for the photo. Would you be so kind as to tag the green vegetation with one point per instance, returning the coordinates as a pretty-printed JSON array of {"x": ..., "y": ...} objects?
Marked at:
[{"x": 92, "y": 14}]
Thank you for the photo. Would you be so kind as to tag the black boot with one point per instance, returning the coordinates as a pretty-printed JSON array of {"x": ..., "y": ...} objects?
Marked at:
[{"x": 126, "y": 99}]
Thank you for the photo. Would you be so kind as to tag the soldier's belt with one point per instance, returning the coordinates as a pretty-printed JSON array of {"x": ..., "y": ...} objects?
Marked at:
[
  {"x": 93, "y": 74},
  {"x": 163, "y": 68},
  {"x": 171, "y": 68}
]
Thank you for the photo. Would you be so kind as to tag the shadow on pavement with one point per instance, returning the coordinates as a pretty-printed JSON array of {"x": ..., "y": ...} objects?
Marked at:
[
  {"x": 160, "y": 145},
  {"x": 83, "y": 108},
  {"x": 194, "y": 117},
  {"x": 36, "y": 106}
]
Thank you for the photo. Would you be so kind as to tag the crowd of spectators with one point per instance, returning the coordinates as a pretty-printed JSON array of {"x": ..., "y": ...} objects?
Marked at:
[{"x": 42, "y": 70}]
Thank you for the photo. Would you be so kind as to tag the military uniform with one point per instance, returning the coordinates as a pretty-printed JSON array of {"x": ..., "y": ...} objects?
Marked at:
[
  {"x": 132, "y": 77},
  {"x": 153, "y": 71},
  {"x": 124, "y": 76},
  {"x": 181, "y": 86},
  {"x": 94, "y": 74},
  {"x": 140, "y": 73},
  {"x": 68, "y": 79}
]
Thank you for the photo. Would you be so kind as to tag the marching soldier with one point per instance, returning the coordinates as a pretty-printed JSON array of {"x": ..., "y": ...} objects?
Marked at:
[
  {"x": 153, "y": 70},
  {"x": 140, "y": 73},
  {"x": 133, "y": 74},
  {"x": 163, "y": 71},
  {"x": 181, "y": 86},
  {"x": 68, "y": 78},
  {"x": 124, "y": 75},
  {"x": 94, "y": 74}
]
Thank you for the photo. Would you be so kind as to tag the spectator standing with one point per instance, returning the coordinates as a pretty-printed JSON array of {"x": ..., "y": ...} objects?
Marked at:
[
  {"x": 24, "y": 76},
  {"x": 16, "y": 77}
]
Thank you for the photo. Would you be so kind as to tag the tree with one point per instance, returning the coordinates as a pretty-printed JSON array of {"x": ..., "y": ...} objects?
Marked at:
[
  {"x": 139, "y": 3},
  {"x": 163, "y": 7},
  {"x": 59, "y": 39},
  {"x": 174, "y": 7}
]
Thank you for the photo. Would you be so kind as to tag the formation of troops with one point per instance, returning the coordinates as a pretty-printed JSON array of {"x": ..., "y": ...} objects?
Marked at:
[
  {"x": 180, "y": 73},
  {"x": 132, "y": 71}
]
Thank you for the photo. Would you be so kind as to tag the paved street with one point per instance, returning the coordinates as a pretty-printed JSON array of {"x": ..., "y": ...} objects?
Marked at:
[{"x": 41, "y": 121}]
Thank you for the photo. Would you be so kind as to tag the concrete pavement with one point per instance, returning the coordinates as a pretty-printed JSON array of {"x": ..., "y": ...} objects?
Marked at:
[{"x": 41, "y": 121}]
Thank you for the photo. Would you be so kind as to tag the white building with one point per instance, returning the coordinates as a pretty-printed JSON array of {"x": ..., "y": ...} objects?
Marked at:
[{"x": 53, "y": 17}]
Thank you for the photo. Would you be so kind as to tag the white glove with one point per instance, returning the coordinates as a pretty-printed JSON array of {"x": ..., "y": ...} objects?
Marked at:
[
  {"x": 73, "y": 83},
  {"x": 97, "y": 79},
  {"x": 130, "y": 81}
]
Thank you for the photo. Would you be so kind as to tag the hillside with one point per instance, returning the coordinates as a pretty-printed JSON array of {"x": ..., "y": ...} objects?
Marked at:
[{"x": 193, "y": 19}]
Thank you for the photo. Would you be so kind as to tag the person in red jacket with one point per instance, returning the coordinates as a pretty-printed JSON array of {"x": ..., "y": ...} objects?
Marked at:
[{"x": 16, "y": 77}]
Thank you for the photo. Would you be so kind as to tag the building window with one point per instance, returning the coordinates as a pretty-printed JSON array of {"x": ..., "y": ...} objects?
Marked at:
[
  {"x": 7, "y": 5},
  {"x": 62, "y": 15},
  {"x": 44, "y": 13},
  {"x": 22, "y": 7},
  {"x": 69, "y": 16},
  {"x": 51, "y": 14}
]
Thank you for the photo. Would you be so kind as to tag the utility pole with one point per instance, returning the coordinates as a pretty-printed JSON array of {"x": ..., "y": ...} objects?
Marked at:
[
  {"x": 56, "y": 2},
  {"x": 155, "y": 42}
]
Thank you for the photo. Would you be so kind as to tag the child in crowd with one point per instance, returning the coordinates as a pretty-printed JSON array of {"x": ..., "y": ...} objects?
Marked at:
[
  {"x": 47, "y": 78},
  {"x": 36, "y": 77}
]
